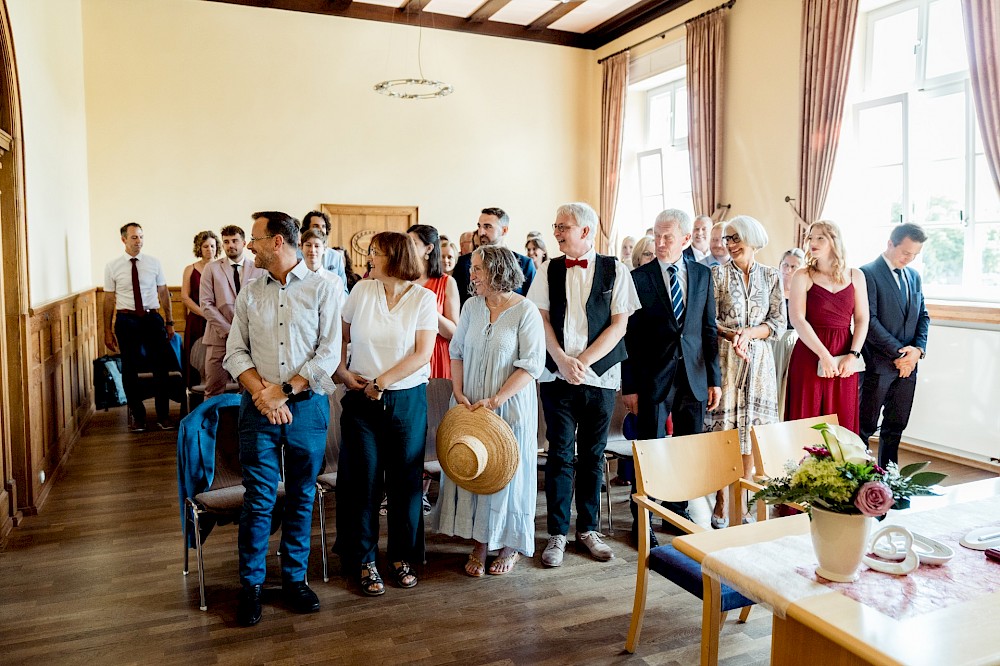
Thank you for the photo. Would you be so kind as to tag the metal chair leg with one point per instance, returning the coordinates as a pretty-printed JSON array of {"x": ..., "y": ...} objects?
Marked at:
[
  {"x": 201, "y": 560},
  {"x": 322, "y": 530},
  {"x": 607, "y": 488},
  {"x": 187, "y": 524}
]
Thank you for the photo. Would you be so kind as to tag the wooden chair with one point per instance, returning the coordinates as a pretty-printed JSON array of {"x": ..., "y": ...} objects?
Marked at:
[
  {"x": 777, "y": 443},
  {"x": 677, "y": 469}
]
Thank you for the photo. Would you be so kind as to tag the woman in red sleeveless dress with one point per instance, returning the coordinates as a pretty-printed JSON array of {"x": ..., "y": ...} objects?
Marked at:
[
  {"x": 445, "y": 289},
  {"x": 826, "y": 298}
]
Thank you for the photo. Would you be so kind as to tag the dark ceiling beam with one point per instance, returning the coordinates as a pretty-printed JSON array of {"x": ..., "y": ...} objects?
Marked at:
[
  {"x": 636, "y": 17},
  {"x": 486, "y": 10},
  {"x": 361, "y": 10},
  {"x": 554, "y": 14},
  {"x": 339, "y": 5}
]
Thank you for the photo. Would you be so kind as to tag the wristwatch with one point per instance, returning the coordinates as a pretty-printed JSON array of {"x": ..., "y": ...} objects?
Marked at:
[
  {"x": 287, "y": 389},
  {"x": 377, "y": 387},
  {"x": 168, "y": 323},
  {"x": 922, "y": 353},
  {"x": 855, "y": 354}
]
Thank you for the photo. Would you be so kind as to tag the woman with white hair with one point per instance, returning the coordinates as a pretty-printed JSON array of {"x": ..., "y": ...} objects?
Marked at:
[{"x": 750, "y": 309}]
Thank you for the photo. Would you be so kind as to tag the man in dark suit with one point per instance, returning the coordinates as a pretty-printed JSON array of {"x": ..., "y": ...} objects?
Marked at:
[
  {"x": 897, "y": 340},
  {"x": 672, "y": 341},
  {"x": 492, "y": 227},
  {"x": 700, "y": 246}
]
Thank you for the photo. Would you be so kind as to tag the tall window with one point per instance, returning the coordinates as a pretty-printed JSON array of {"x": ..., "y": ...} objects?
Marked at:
[
  {"x": 655, "y": 170},
  {"x": 916, "y": 154},
  {"x": 664, "y": 167}
]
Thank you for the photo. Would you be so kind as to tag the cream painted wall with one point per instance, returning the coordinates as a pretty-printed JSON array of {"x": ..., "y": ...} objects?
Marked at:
[
  {"x": 200, "y": 113},
  {"x": 761, "y": 139},
  {"x": 48, "y": 43}
]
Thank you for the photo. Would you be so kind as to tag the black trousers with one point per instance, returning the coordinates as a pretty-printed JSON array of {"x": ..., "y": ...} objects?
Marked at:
[
  {"x": 135, "y": 336},
  {"x": 891, "y": 395},
  {"x": 576, "y": 416},
  {"x": 689, "y": 419}
]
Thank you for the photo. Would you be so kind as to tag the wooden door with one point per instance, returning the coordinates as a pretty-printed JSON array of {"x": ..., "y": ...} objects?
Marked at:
[{"x": 352, "y": 227}]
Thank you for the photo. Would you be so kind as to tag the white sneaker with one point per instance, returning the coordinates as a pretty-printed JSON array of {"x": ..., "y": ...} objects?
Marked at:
[
  {"x": 552, "y": 556},
  {"x": 593, "y": 541}
]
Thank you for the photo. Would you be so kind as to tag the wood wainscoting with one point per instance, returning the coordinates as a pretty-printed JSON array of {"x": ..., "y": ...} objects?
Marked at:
[{"x": 61, "y": 345}]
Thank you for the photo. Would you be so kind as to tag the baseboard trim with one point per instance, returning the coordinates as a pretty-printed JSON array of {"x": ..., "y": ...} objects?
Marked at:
[{"x": 57, "y": 472}]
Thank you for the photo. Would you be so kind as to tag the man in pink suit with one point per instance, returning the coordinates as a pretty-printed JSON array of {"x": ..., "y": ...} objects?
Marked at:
[{"x": 221, "y": 282}]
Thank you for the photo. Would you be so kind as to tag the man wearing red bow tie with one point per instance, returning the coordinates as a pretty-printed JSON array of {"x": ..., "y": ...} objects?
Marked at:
[{"x": 585, "y": 300}]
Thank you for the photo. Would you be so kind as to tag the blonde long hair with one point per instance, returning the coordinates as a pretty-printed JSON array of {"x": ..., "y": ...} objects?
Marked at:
[{"x": 839, "y": 258}]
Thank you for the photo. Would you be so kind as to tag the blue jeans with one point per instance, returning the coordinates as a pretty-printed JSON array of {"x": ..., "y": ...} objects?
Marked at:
[
  {"x": 382, "y": 439},
  {"x": 304, "y": 442}
]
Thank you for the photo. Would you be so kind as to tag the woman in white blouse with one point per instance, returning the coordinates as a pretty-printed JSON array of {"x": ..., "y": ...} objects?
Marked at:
[{"x": 391, "y": 325}]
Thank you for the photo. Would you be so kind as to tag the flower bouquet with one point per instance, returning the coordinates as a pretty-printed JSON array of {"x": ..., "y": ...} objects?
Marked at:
[
  {"x": 842, "y": 477},
  {"x": 844, "y": 489}
]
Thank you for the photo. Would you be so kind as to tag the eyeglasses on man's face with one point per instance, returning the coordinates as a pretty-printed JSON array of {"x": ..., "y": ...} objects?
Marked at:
[
  {"x": 563, "y": 228},
  {"x": 257, "y": 240}
]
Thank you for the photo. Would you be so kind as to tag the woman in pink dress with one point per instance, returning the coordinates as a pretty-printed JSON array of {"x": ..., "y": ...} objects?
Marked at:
[
  {"x": 826, "y": 298},
  {"x": 206, "y": 247}
]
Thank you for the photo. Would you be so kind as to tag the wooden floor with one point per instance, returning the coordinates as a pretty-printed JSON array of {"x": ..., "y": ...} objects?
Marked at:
[{"x": 96, "y": 579}]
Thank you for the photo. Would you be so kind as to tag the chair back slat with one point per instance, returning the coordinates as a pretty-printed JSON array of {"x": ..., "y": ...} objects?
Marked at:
[
  {"x": 682, "y": 468},
  {"x": 777, "y": 443},
  {"x": 228, "y": 470},
  {"x": 438, "y": 402}
]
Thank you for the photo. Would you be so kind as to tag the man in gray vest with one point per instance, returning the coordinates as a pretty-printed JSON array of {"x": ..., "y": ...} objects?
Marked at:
[{"x": 585, "y": 300}]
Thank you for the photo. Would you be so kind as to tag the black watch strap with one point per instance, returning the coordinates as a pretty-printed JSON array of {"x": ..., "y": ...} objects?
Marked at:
[
  {"x": 855, "y": 354},
  {"x": 287, "y": 389}
]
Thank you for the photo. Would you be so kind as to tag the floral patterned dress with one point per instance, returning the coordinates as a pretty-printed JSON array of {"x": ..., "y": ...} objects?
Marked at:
[{"x": 749, "y": 389}]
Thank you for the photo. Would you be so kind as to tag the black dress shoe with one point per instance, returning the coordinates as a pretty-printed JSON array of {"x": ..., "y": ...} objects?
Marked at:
[
  {"x": 299, "y": 598},
  {"x": 633, "y": 539},
  {"x": 249, "y": 610},
  {"x": 670, "y": 528}
]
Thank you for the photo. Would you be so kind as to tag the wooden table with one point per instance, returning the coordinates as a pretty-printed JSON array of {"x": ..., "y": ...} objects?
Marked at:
[{"x": 834, "y": 630}]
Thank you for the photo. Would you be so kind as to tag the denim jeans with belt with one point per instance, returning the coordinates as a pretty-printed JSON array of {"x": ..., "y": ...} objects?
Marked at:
[
  {"x": 304, "y": 442},
  {"x": 382, "y": 439}
]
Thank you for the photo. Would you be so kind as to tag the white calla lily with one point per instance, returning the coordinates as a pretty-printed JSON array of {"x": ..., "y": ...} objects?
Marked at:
[{"x": 844, "y": 445}]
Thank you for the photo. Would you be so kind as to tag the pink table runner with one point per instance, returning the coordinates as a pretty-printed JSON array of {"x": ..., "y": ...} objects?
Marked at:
[{"x": 763, "y": 571}]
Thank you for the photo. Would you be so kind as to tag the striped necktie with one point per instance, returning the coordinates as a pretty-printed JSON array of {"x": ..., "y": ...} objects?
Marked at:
[{"x": 676, "y": 298}]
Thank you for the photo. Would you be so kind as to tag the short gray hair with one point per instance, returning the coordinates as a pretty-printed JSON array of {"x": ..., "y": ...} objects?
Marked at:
[
  {"x": 750, "y": 230},
  {"x": 503, "y": 273},
  {"x": 676, "y": 215},
  {"x": 584, "y": 215}
]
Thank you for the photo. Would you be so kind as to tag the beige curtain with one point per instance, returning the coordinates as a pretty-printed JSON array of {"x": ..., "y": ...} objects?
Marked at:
[
  {"x": 827, "y": 41},
  {"x": 612, "y": 125},
  {"x": 982, "y": 37},
  {"x": 706, "y": 41}
]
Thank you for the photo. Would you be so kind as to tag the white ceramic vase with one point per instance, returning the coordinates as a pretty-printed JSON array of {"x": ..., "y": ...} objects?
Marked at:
[{"x": 839, "y": 540}]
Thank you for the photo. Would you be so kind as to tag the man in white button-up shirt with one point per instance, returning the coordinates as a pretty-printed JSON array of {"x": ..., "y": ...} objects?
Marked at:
[
  {"x": 585, "y": 300},
  {"x": 134, "y": 289},
  {"x": 283, "y": 347}
]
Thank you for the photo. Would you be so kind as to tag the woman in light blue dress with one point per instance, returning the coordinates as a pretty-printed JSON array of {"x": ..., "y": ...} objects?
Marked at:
[{"x": 497, "y": 353}]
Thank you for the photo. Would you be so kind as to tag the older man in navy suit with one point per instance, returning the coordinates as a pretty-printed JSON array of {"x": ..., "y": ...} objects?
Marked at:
[
  {"x": 672, "y": 340},
  {"x": 897, "y": 339}
]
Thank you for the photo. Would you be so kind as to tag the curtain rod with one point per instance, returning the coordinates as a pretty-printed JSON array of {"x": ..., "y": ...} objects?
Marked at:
[{"x": 725, "y": 5}]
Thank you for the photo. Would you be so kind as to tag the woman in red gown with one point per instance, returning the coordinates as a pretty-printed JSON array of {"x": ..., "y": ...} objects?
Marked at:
[{"x": 826, "y": 298}]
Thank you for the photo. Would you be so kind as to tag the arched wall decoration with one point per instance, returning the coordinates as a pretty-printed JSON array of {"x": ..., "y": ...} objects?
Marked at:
[{"x": 17, "y": 490}]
